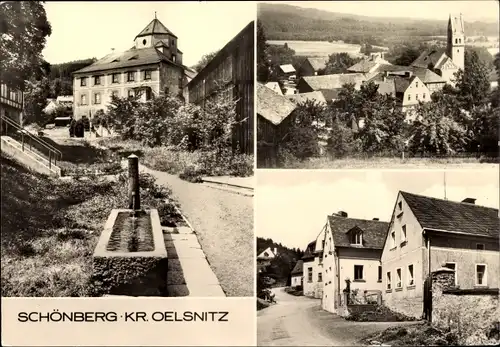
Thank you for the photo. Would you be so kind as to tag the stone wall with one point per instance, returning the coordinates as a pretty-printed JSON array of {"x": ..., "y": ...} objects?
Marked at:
[{"x": 471, "y": 315}]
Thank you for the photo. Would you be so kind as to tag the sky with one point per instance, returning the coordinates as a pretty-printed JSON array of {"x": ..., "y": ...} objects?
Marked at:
[
  {"x": 472, "y": 10},
  {"x": 292, "y": 206},
  {"x": 82, "y": 30}
]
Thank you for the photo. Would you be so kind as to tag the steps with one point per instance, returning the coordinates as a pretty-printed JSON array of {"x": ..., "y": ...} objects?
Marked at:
[{"x": 28, "y": 158}]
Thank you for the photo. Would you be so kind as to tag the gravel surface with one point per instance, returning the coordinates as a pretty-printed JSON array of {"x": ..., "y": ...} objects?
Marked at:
[
  {"x": 300, "y": 321},
  {"x": 223, "y": 222}
]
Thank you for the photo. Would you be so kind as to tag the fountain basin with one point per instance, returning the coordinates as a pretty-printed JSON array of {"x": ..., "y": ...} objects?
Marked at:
[{"x": 130, "y": 257}]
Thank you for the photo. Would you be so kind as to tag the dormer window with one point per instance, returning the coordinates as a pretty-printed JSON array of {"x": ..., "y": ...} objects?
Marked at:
[
  {"x": 133, "y": 57},
  {"x": 356, "y": 236}
]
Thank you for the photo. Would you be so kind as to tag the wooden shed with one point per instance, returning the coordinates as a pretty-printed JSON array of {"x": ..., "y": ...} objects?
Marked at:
[{"x": 231, "y": 72}]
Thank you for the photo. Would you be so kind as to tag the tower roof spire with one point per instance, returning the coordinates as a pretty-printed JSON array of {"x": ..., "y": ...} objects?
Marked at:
[{"x": 155, "y": 27}]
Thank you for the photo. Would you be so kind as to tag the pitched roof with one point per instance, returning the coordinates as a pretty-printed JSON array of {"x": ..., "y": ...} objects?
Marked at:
[
  {"x": 298, "y": 268},
  {"x": 364, "y": 66},
  {"x": 401, "y": 83},
  {"x": 330, "y": 94},
  {"x": 275, "y": 87},
  {"x": 427, "y": 57},
  {"x": 287, "y": 68},
  {"x": 315, "y": 96},
  {"x": 454, "y": 216},
  {"x": 309, "y": 252},
  {"x": 317, "y": 63},
  {"x": 335, "y": 81},
  {"x": 155, "y": 27},
  {"x": 374, "y": 231},
  {"x": 190, "y": 73},
  {"x": 424, "y": 74},
  {"x": 272, "y": 106},
  {"x": 132, "y": 57},
  {"x": 457, "y": 23},
  {"x": 386, "y": 87}
]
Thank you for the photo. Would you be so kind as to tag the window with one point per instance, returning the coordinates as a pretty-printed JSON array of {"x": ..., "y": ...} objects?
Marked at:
[
  {"x": 115, "y": 94},
  {"x": 393, "y": 239},
  {"x": 173, "y": 42},
  {"x": 174, "y": 58},
  {"x": 423, "y": 96},
  {"x": 115, "y": 77},
  {"x": 398, "y": 278},
  {"x": 147, "y": 74},
  {"x": 266, "y": 254},
  {"x": 480, "y": 246},
  {"x": 83, "y": 99},
  {"x": 97, "y": 80},
  {"x": 148, "y": 94},
  {"x": 131, "y": 93},
  {"x": 320, "y": 277},
  {"x": 411, "y": 281},
  {"x": 357, "y": 238},
  {"x": 403, "y": 234},
  {"x": 416, "y": 96},
  {"x": 130, "y": 76},
  {"x": 452, "y": 266},
  {"x": 97, "y": 98},
  {"x": 409, "y": 97},
  {"x": 388, "y": 276},
  {"x": 358, "y": 272},
  {"x": 456, "y": 40},
  {"x": 481, "y": 275},
  {"x": 309, "y": 274},
  {"x": 144, "y": 42},
  {"x": 83, "y": 81},
  {"x": 416, "y": 85},
  {"x": 323, "y": 244},
  {"x": 400, "y": 205},
  {"x": 379, "y": 278}
]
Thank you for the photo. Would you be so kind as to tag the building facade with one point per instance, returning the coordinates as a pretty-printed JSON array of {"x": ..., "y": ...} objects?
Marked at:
[
  {"x": 11, "y": 103},
  {"x": 313, "y": 267},
  {"x": 152, "y": 67},
  {"x": 426, "y": 234},
  {"x": 230, "y": 75},
  {"x": 352, "y": 252},
  {"x": 297, "y": 274}
]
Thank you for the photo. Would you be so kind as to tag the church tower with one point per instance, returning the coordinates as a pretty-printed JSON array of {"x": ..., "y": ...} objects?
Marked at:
[{"x": 456, "y": 40}]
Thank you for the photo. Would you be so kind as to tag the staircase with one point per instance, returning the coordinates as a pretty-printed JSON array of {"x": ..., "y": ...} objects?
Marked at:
[{"x": 28, "y": 148}]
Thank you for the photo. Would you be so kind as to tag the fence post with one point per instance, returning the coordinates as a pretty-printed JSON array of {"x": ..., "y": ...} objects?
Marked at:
[{"x": 133, "y": 182}]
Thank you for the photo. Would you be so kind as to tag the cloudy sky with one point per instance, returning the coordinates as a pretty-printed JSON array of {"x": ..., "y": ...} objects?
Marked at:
[
  {"x": 83, "y": 30},
  {"x": 291, "y": 206},
  {"x": 473, "y": 10}
]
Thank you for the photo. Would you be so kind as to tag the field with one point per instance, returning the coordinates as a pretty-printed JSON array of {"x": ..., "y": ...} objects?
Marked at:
[{"x": 319, "y": 48}]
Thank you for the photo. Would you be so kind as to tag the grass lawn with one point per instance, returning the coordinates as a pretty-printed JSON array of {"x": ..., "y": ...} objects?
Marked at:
[
  {"x": 188, "y": 165},
  {"x": 50, "y": 227},
  {"x": 391, "y": 163}
]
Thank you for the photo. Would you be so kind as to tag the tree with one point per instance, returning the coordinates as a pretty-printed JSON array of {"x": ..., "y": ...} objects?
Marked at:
[
  {"x": 278, "y": 55},
  {"x": 263, "y": 59},
  {"x": 36, "y": 94},
  {"x": 24, "y": 28},
  {"x": 205, "y": 59},
  {"x": 472, "y": 86},
  {"x": 338, "y": 63}
]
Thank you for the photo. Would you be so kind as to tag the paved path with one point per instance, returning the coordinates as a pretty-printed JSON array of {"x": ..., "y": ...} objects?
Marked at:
[
  {"x": 223, "y": 222},
  {"x": 299, "y": 321}
]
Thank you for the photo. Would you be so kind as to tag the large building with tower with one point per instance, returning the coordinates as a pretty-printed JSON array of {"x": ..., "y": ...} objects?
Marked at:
[{"x": 153, "y": 66}]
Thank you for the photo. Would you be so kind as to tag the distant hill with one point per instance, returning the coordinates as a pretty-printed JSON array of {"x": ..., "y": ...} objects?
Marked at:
[
  {"x": 61, "y": 78},
  {"x": 288, "y": 22}
]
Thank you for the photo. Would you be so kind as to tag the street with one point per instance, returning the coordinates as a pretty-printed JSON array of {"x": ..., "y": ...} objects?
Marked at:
[
  {"x": 223, "y": 222},
  {"x": 300, "y": 321}
]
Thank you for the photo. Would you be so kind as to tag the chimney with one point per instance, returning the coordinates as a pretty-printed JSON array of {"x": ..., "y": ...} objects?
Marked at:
[
  {"x": 407, "y": 74},
  {"x": 471, "y": 201},
  {"x": 376, "y": 219}
]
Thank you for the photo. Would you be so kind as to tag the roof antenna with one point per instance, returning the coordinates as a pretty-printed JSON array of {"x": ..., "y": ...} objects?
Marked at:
[{"x": 445, "y": 185}]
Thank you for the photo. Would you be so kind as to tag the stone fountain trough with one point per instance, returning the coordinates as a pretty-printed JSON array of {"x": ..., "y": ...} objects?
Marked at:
[{"x": 130, "y": 257}]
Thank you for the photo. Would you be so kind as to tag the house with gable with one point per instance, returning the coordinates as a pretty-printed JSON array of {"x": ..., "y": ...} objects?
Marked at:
[
  {"x": 312, "y": 66},
  {"x": 313, "y": 267},
  {"x": 434, "y": 67},
  {"x": 297, "y": 274},
  {"x": 153, "y": 66},
  {"x": 264, "y": 257},
  {"x": 426, "y": 234},
  {"x": 352, "y": 250}
]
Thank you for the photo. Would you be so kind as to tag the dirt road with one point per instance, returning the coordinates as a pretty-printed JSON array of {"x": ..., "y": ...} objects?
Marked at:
[{"x": 299, "y": 321}]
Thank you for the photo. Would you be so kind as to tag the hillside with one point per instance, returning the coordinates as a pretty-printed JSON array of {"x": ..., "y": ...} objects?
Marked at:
[
  {"x": 287, "y": 22},
  {"x": 61, "y": 78}
]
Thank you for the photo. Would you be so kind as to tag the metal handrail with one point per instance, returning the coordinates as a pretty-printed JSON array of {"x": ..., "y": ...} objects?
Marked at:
[{"x": 51, "y": 149}]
